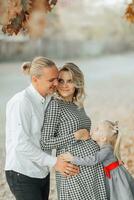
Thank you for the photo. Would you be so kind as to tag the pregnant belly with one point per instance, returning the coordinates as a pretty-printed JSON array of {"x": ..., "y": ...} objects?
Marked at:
[
  {"x": 81, "y": 148},
  {"x": 87, "y": 179}
]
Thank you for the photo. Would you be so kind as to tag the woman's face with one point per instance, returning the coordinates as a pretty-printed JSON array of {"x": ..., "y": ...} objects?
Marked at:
[{"x": 66, "y": 87}]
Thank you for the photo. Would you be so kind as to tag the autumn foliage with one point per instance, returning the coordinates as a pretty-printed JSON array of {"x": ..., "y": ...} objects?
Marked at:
[
  {"x": 27, "y": 16},
  {"x": 129, "y": 14}
]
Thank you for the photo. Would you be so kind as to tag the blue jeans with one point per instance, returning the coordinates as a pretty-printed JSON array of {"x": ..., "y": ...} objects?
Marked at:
[{"x": 27, "y": 188}]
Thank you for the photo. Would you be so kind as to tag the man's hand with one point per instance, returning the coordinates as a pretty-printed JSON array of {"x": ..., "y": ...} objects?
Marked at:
[
  {"x": 66, "y": 157},
  {"x": 66, "y": 169},
  {"x": 82, "y": 134}
]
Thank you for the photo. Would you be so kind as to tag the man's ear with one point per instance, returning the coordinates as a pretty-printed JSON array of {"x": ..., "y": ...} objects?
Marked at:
[{"x": 34, "y": 79}]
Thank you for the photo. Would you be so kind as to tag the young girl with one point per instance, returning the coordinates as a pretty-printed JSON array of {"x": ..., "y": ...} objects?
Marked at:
[{"x": 118, "y": 180}]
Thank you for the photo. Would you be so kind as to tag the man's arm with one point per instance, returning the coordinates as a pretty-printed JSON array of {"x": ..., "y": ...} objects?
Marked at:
[
  {"x": 20, "y": 129},
  {"x": 20, "y": 120}
]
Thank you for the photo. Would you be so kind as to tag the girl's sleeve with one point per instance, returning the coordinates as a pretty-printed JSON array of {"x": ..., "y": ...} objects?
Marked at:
[
  {"x": 90, "y": 160},
  {"x": 49, "y": 138}
]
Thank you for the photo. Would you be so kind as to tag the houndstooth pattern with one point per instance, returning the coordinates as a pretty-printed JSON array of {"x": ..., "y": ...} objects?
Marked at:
[{"x": 61, "y": 120}]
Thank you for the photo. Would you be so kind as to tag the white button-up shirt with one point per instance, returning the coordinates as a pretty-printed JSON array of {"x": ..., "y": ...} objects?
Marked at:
[{"x": 24, "y": 120}]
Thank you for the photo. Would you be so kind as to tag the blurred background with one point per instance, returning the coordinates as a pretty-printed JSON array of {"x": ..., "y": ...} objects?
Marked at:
[
  {"x": 95, "y": 36},
  {"x": 76, "y": 29}
]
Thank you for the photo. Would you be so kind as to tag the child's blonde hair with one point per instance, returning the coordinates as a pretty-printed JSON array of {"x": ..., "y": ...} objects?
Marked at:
[{"x": 113, "y": 135}]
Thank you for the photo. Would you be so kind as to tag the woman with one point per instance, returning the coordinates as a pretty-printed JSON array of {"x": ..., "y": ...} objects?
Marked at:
[{"x": 65, "y": 115}]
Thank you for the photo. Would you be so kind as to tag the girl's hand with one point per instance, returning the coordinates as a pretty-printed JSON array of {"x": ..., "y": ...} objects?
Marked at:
[
  {"x": 82, "y": 134},
  {"x": 124, "y": 164},
  {"x": 66, "y": 156},
  {"x": 121, "y": 162}
]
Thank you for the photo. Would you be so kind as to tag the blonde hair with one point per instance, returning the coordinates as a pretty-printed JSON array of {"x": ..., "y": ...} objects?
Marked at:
[
  {"x": 35, "y": 67},
  {"x": 113, "y": 136},
  {"x": 78, "y": 80}
]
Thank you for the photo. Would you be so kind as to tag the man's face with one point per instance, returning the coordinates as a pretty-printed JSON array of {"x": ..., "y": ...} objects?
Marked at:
[{"x": 46, "y": 83}]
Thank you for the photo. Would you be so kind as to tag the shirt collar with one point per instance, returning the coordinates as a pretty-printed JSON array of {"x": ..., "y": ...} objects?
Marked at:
[{"x": 37, "y": 94}]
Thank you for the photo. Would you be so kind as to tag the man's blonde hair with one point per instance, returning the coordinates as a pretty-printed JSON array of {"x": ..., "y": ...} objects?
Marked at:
[{"x": 35, "y": 67}]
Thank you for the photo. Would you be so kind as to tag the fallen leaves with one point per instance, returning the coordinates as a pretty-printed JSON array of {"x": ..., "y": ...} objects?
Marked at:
[{"x": 127, "y": 152}]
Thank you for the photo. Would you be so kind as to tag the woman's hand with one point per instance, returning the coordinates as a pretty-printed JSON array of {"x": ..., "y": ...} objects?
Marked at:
[
  {"x": 66, "y": 156},
  {"x": 82, "y": 134}
]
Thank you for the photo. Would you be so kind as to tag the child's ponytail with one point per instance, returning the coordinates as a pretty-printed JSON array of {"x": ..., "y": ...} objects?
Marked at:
[
  {"x": 116, "y": 140},
  {"x": 117, "y": 147}
]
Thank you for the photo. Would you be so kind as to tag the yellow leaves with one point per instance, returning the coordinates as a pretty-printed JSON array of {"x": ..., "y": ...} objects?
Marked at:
[
  {"x": 28, "y": 16},
  {"x": 129, "y": 14},
  {"x": 14, "y": 8}
]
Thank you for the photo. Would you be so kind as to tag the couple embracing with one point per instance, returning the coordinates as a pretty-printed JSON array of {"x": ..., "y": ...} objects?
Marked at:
[{"x": 47, "y": 115}]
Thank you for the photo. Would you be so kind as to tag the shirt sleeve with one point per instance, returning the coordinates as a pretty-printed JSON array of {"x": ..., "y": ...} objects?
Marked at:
[
  {"x": 20, "y": 126},
  {"x": 49, "y": 137},
  {"x": 91, "y": 160}
]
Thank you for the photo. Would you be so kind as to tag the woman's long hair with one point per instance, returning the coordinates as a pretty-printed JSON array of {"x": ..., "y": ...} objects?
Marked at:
[{"x": 78, "y": 80}]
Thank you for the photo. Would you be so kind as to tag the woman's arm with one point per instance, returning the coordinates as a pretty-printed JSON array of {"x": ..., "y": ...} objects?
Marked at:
[{"x": 49, "y": 138}]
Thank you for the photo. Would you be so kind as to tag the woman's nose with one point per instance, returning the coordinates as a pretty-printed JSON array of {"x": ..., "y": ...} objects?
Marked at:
[{"x": 65, "y": 84}]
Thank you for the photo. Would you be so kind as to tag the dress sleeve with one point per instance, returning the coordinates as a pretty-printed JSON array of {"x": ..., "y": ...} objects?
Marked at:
[
  {"x": 49, "y": 138},
  {"x": 91, "y": 160}
]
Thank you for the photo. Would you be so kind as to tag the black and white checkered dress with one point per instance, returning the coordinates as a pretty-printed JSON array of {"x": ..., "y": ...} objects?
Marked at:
[{"x": 61, "y": 120}]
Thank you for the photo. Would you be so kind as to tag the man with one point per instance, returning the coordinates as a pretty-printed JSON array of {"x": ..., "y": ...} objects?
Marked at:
[{"x": 27, "y": 165}]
